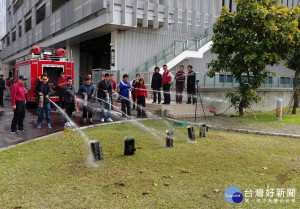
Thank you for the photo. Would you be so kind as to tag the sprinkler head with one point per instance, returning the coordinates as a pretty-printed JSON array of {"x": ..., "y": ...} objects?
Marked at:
[
  {"x": 96, "y": 149},
  {"x": 129, "y": 146},
  {"x": 169, "y": 138},
  {"x": 191, "y": 133}
]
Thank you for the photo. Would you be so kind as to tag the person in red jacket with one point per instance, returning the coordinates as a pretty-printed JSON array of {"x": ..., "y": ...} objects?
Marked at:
[
  {"x": 141, "y": 96},
  {"x": 18, "y": 105},
  {"x": 168, "y": 78},
  {"x": 61, "y": 83}
]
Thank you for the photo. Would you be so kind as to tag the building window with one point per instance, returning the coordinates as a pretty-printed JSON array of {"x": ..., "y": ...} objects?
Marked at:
[
  {"x": 7, "y": 40},
  {"x": 285, "y": 80},
  {"x": 229, "y": 79},
  {"x": 17, "y": 5},
  {"x": 13, "y": 36},
  {"x": 40, "y": 14},
  {"x": 20, "y": 30},
  {"x": 28, "y": 24},
  {"x": 269, "y": 81},
  {"x": 221, "y": 78},
  {"x": 56, "y": 4}
]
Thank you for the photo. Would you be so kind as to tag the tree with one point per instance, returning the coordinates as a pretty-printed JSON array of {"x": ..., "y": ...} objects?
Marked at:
[
  {"x": 260, "y": 33},
  {"x": 293, "y": 63}
]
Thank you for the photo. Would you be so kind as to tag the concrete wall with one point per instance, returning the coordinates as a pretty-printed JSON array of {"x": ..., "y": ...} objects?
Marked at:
[{"x": 216, "y": 98}]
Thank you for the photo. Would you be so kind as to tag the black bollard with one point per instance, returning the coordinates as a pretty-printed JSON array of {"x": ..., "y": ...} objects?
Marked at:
[
  {"x": 169, "y": 138},
  {"x": 203, "y": 129},
  {"x": 129, "y": 146},
  {"x": 191, "y": 133},
  {"x": 96, "y": 150}
]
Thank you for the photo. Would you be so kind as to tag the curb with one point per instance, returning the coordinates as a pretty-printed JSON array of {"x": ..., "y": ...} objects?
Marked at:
[
  {"x": 80, "y": 128},
  {"x": 244, "y": 131}
]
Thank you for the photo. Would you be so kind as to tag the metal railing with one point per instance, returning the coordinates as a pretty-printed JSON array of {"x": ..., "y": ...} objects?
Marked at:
[{"x": 173, "y": 51}]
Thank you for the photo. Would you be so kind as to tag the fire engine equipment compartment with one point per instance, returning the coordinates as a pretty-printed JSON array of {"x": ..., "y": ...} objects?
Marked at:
[{"x": 53, "y": 75}]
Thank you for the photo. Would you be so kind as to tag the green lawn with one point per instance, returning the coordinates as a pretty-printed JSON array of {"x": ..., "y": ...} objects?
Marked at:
[
  {"x": 270, "y": 117},
  {"x": 46, "y": 173}
]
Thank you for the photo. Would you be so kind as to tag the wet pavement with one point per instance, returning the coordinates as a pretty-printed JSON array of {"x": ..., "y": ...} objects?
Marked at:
[{"x": 30, "y": 124}]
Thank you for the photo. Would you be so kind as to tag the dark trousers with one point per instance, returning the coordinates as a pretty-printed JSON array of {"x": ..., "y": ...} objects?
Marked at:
[
  {"x": 125, "y": 106},
  {"x": 61, "y": 93},
  {"x": 156, "y": 92},
  {"x": 167, "y": 96},
  {"x": 87, "y": 112},
  {"x": 191, "y": 93},
  {"x": 179, "y": 91},
  {"x": 19, "y": 115},
  {"x": 1, "y": 97},
  {"x": 70, "y": 107},
  {"x": 134, "y": 100},
  {"x": 141, "y": 101}
]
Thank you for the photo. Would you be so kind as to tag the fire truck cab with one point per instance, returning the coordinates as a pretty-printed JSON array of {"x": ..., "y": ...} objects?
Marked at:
[{"x": 37, "y": 63}]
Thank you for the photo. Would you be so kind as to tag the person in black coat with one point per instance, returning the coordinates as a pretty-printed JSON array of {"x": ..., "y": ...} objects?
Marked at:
[
  {"x": 2, "y": 88},
  {"x": 156, "y": 85},
  {"x": 105, "y": 89},
  {"x": 191, "y": 83},
  {"x": 44, "y": 89},
  {"x": 69, "y": 100}
]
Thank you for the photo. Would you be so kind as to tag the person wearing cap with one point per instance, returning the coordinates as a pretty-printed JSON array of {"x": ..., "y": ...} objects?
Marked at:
[
  {"x": 61, "y": 83},
  {"x": 44, "y": 89},
  {"x": 18, "y": 105},
  {"x": 2, "y": 88}
]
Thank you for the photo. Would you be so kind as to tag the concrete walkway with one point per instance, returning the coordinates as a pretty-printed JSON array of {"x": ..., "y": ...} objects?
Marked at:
[{"x": 30, "y": 123}]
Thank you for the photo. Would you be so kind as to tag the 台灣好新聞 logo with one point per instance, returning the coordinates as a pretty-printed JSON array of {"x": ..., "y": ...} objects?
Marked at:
[{"x": 233, "y": 195}]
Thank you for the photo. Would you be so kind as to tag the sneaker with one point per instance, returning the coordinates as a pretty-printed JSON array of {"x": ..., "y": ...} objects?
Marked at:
[
  {"x": 15, "y": 132},
  {"x": 67, "y": 124},
  {"x": 3, "y": 106},
  {"x": 109, "y": 120},
  {"x": 24, "y": 130},
  {"x": 72, "y": 123},
  {"x": 91, "y": 122},
  {"x": 49, "y": 125},
  {"x": 102, "y": 120},
  {"x": 39, "y": 126}
]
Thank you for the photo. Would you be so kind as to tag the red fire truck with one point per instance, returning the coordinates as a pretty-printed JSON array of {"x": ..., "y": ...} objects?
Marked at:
[{"x": 40, "y": 61}]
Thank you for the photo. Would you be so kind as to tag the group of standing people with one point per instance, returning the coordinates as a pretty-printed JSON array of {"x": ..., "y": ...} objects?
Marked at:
[
  {"x": 136, "y": 90},
  {"x": 164, "y": 81}
]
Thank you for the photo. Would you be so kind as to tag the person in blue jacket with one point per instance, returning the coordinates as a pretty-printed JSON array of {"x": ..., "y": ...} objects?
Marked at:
[
  {"x": 87, "y": 89},
  {"x": 125, "y": 87}
]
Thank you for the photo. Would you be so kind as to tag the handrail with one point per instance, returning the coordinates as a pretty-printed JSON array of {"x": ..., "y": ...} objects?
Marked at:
[{"x": 193, "y": 44}]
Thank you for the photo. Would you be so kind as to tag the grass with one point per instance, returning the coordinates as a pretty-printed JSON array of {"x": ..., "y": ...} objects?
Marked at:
[
  {"x": 46, "y": 173},
  {"x": 270, "y": 117}
]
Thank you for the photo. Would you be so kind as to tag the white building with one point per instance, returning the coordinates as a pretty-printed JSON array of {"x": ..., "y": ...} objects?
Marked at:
[
  {"x": 130, "y": 36},
  {"x": 4, "y": 68}
]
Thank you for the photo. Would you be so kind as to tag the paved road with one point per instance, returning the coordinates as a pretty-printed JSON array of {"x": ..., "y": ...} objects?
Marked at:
[{"x": 30, "y": 123}]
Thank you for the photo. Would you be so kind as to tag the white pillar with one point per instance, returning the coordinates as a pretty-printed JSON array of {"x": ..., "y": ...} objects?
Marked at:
[{"x": 114, "y": 46}]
